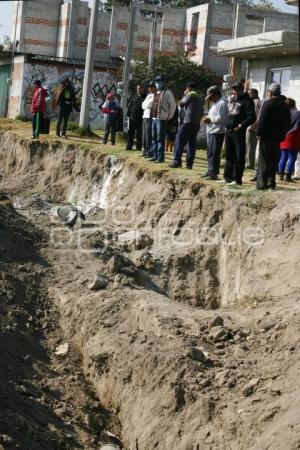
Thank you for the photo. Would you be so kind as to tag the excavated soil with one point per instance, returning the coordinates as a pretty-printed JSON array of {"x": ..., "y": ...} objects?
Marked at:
[{"x": 191, "y": 341}]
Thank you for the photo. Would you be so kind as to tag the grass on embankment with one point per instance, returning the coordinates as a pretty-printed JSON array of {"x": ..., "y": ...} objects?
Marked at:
[{"x": 24, "y": 129}]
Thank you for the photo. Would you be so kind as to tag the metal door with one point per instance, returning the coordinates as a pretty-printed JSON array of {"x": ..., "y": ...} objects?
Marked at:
[{"x": 4, "y": 86}]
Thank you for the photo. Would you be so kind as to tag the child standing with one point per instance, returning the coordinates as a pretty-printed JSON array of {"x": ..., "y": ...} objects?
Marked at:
[{"x": 111, "y": 110}]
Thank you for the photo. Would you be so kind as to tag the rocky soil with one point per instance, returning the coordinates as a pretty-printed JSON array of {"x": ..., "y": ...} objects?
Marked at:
[{"x": 178, "y": 302}]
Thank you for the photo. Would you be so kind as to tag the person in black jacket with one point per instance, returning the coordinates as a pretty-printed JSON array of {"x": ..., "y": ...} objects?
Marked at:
[
  {"x": 273, "y": 124},
  {"x": 192, "y": 105},
  {"x": 135, "y": 115},
  {"x": 241, "y": 114},
  {"x": 65, "y": 102}
]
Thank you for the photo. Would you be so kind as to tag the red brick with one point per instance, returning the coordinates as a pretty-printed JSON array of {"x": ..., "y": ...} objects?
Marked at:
[
  {"x": 39, "y": 43},
  {"x": 41, "y": 21},
  {"x": 223, "y": 31},
  {"x": 82, "y": 21}
]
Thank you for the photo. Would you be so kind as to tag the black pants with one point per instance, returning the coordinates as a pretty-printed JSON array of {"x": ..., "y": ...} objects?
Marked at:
[
  {"x": 268, "y": 158},
  {"x": 63, "y": 118},
  {"x": 135, "y": 128},
  {"x": 37, "y": 123},
  {"x": 147, "y": 137},
  {"x": 235, "y": 151},
  {"x": 214, "y": 147},
  {"x": 187, "y": 135},
  {"x": 110, "y": 128}
]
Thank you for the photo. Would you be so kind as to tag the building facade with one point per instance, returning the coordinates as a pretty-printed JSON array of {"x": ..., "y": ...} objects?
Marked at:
[
  {"x": 51, "y": 42},
  {"x": 271, "y": 55}
]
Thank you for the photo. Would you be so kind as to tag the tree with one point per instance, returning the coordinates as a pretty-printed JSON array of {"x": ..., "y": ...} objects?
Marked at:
[
  {"x": 7, "y": 43},
  {"x": 182, "y": 3},
  {"x": 176, "y": 69},
  {"x": 265, "y": 5}
]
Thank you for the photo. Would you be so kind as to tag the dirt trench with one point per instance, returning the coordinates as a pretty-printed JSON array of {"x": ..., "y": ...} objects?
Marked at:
[{"x": 176, "y": 255}]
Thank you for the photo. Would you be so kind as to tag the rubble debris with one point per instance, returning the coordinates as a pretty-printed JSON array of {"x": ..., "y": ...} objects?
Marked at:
[
  {"x": 62, "y": 349},
  {"x": 135, "y": 240},
  {"x": 100, "y": 282},
  {"x": 250, "y": 387}
]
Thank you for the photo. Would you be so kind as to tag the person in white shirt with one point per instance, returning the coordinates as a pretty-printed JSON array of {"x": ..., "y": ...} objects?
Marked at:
[
  {"x": 216, "y": 120},
  {"x": 147, "y": 121}
]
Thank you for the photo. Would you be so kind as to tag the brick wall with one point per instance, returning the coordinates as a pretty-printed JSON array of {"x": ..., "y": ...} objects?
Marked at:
[{"x": 40, "y": 21}]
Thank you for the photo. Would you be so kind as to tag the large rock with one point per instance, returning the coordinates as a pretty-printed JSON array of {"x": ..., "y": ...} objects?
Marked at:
[
  {"x": 69, "y": 214},
  {"x": 198, "y": 355},
  {"x": 220, "y": 334},
  {"x": 116, "y": 263},
  {"x": 100, "y": 282},
  {"x": 217, "y": 322}
]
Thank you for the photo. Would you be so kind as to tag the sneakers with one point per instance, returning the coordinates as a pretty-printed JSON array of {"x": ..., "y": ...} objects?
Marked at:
[
  {"x": 212, "y": 177},
  {"x": 233, "y": 183},
  {"x": 222, "y": 182},
  {"x": 152, "y": 159}
]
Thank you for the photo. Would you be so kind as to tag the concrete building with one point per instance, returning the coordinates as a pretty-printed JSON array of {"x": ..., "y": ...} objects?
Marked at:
[
  {"x": 60, "y": 29},
  {"x": 52, "y": 35},
  {"x": 271, "y": 55}
]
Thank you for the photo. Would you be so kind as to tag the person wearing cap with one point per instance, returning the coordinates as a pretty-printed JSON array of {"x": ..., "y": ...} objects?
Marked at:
[
  {"x": 241, "y": 114},
  {"x": 111, "y": 110},
  {"x": 273, "y": 123},
  {"x": 216, "y": 121},
  {"x": 163, "y": 109},
  {"x": 135, "y": 116},
  {"x": 38, "y": 107},
  {"x": 147, "y": 121},
  {"x": 192, "y": 106}
]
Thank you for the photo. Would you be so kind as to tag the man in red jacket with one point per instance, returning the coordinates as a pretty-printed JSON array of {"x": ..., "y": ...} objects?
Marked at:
[{"x": 38, "y": 108}]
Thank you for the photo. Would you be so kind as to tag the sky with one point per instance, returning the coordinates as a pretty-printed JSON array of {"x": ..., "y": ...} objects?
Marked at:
[{"x": 6, "y": 12}]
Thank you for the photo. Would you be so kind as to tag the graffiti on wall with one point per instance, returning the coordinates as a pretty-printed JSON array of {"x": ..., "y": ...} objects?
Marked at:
[{"x": 100, "y": 89}]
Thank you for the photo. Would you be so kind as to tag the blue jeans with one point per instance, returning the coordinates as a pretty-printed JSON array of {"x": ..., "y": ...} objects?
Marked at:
[
  {"x": 214, "y": 147},
  {"x": 187, "y": 134},
  {"x": 287, "y": 161},
  {"x": 159, "y": 128}
]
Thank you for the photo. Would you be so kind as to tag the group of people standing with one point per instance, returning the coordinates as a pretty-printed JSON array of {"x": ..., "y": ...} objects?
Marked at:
[
  {"x": 161, "y": 125},
  {"x": 261, "y": 135},
  {"x": 65, "y": 102}
]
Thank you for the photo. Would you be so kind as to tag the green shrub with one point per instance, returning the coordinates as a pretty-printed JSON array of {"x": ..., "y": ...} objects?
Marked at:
[{"x": 22, "y": 118}]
